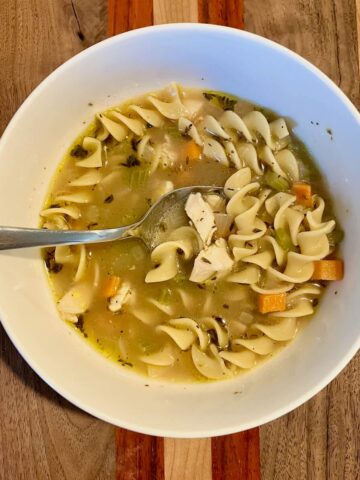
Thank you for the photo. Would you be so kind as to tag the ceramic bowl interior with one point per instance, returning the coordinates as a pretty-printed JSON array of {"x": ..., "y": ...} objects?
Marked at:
[{"x": 33, "y": 144}]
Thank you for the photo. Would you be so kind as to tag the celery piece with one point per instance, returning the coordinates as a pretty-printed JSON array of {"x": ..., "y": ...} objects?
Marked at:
[
  {"x": 335, "y": 237},
  {"x": 164, "y": 296},
  {"x": 275, "y": 181},
  {"x": 284, "y": 240},
  {"x": 137, "y": 177},
  {"x": 174, "y": 132},
  {"x": 180, "y": 277}
]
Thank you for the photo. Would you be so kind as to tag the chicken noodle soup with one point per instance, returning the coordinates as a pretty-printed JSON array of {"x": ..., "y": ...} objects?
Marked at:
[{"x": 233, "y": 276}]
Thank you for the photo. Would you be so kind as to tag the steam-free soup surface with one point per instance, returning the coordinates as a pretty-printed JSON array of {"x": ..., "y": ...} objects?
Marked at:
[{"x": 234, "y": 276}]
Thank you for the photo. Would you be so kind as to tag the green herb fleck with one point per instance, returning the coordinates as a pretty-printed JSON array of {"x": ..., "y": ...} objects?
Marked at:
[
  {"x": 80, "y": 323},
  {"x": 335, "y": 237},
  {"x": 131, "y": 161},
  {"x": 162, "y": 226},
  {"x": 205, "y": 260},
  {"x": 221, "y": 100},
  {"x": 124, "y": 363},
  {"x": 79, "y": 152},
  {"x": 51, "y": 264}
]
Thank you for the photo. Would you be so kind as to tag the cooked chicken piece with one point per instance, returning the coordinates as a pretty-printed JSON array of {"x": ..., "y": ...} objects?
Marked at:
[
  {"x": 121, "y": 296},
  {"x": 215, "y": 261},
  {"x": 202, "y": 216}
]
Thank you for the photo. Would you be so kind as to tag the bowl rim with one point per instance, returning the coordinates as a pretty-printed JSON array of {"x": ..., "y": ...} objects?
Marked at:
[{"x": 41, "y": 371}]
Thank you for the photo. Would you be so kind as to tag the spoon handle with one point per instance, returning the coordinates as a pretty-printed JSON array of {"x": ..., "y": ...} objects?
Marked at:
[{"x": 14, "y": 237}]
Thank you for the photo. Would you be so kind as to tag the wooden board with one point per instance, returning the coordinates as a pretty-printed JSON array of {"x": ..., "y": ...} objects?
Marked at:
[{"x": 44, "y": 437}]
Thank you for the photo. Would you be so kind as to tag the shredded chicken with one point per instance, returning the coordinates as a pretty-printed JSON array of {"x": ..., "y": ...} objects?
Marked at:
[
  {"x": 202, "y": 216},
  {"x": 121, "y": 296},
  {"x": 215, "y": 261}
]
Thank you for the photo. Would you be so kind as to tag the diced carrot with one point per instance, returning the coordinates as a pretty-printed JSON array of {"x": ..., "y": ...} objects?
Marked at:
[
  {"x": 271, "y": 302},
  {"x": 328, "y": 270},
  {"x": 192, "y": 151},
  {"x": 111, "y": 286},
  {"x": 302, "y": 191}
]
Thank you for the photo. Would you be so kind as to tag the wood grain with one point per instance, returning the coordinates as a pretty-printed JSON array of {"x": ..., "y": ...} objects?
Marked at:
[
  {"x": 138, "y": 457},
  {"x": 125, "y": 15},
  {"x": 42, "y": 436},
  {"x": 357, "y": 8},
  {"x": 188, "y": 459},
  {"x": 322, "y": 31},
  {"x": 232, "y": 456},
  {"x": 222, "y": 12},
  {"x": 236, "y": 456},
  {"x": 320, "y": 440},
  {"x": 173, "y": 12}
]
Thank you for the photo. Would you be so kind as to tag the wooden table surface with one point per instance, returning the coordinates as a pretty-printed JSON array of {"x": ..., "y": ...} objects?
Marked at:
[{"x": 42, "y": 436}]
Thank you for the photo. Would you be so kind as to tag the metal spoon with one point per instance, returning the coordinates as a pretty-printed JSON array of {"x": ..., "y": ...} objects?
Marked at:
[{"x": 147, "y": 228}]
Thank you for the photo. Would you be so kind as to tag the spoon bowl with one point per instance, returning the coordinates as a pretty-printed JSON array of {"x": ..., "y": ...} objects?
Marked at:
[{"x": 147, "y": 228}]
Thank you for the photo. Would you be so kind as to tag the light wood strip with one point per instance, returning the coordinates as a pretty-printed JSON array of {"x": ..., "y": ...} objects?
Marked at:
[
  {"x": 234, "y": 455},
  {"x": 184, "y": 459},
  {"x": 175, "y": 11},
  {"x": 187, "y": 459},
  {"x": 319, "y": 440}
]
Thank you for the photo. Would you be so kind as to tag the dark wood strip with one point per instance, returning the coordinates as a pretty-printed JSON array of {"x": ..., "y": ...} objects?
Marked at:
[
  {"x": 222, "y": 12},
  {"x": 236, "y": 456},
  {"x": 139, "y": 457},
  {"x": 124, "y": 15}
]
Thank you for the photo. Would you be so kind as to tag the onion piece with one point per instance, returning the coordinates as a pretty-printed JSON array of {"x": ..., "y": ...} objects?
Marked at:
[{"x": 223, "y": 222}]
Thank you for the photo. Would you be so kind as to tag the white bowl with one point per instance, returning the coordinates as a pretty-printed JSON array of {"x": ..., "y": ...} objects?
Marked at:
[{"x": 35, "y": 141}]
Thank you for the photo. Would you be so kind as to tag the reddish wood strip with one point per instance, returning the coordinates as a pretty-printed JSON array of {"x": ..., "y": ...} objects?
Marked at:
[
  {"x": 222, "y": 12},
  {"x": 124, "y": 15},
  {"x": 138, "y": 457},
  {"x": 236, "y": 456}
]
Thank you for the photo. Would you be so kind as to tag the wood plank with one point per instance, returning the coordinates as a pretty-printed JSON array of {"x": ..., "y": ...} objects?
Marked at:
[
  {"x": 236, "y": 456},
  {"x": 125, "y": 15},
  {"x": 319, "y": 440},
  {"x": 43, "y": 436},
  {"x": 138, "y": 457},
  {"x": 191, "y": 459},
  {"x": 175, "y": 11},
  {"x": 37, "y": 37},
  {"x": 222, "y": 12},
  {"x": 233, "y": 456},
  {"x": 188, "y": 459},
  {"x": 357, "y": 46},
  {"x": 322, "y": 31},
  {"x": 184, "y": 459}
]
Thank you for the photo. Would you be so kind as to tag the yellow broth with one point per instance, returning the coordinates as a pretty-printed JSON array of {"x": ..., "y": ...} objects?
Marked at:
[{"x": 123, "y": 199}]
